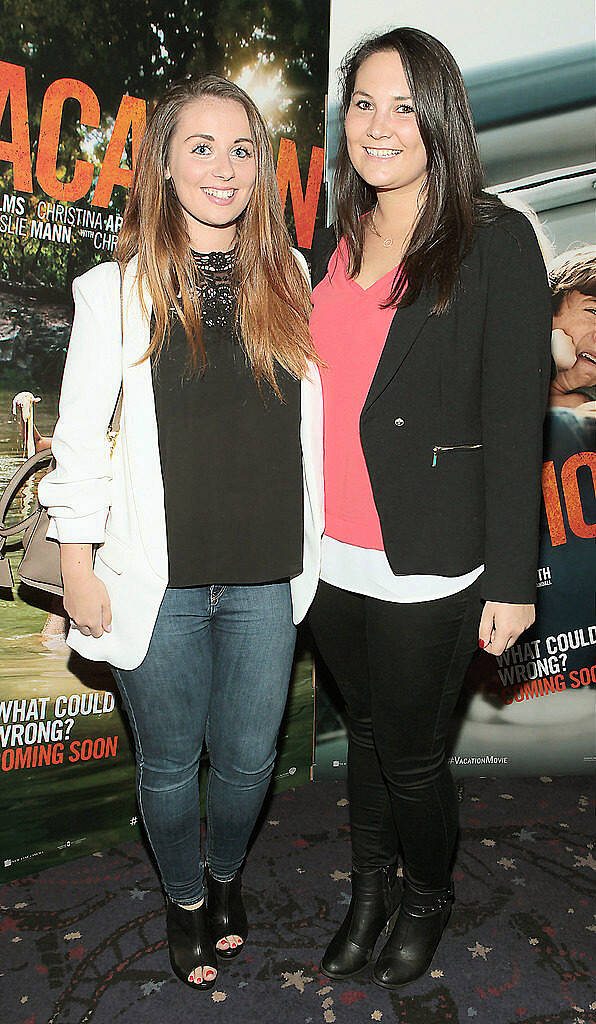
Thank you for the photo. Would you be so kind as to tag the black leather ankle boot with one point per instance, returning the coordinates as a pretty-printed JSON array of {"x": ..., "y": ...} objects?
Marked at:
[
  {"x": 226, "y": 912},
  {"x": 416, "y": 934},
  {"x": 372, "y": 904}
]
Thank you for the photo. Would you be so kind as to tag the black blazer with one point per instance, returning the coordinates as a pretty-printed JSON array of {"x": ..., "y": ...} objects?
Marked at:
[{"x": 451, "y": 428}]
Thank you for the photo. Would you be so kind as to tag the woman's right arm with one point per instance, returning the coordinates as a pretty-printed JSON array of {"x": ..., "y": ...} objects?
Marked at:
[{"x": 77, "y": 492}]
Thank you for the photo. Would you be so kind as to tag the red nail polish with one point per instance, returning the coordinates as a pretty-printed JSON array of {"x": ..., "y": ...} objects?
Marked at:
[{"x": 481, "y": 643}]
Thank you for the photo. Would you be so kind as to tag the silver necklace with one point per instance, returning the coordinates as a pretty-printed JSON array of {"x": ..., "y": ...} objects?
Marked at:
[{"x": 388, "y": 241}]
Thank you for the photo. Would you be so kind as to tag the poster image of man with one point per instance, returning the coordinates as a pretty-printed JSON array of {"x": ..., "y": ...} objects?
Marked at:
[{"x": 541, "y": 694}]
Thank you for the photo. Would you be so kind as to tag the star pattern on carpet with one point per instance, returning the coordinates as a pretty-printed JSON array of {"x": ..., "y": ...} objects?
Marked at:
[
  {"x": 586, "y": 862},
  {"x": 525, "y": 836},
  {"x": 295, "y": 979},
  {"x": 507, "y": 863},
  {"x": 151, "y": 986},
  {"x": 121, "y": 950},
  {"x": 478, "y": 950},
  {"x": 138, "y": 894}
]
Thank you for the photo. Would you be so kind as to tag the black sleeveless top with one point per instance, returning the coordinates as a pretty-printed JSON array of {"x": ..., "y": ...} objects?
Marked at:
[{"x": 230, "y": 455}]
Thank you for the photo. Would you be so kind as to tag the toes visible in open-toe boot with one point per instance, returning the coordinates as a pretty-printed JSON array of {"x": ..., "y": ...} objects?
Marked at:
[
  {"x": 226, "y": 913},
  {"x": 190, "y": 943},
  {"x": 420, "y": 922},
  {"x": 373, "y": 902}
]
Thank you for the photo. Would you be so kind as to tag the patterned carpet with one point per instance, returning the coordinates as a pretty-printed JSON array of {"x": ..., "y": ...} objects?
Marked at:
[{"x": 85, "y": 943}]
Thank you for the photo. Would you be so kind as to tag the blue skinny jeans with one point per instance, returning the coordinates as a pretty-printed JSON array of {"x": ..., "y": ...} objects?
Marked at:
[{"x": 216, "y": 671}]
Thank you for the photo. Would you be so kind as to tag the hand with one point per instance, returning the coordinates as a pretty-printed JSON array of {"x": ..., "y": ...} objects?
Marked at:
[
  {"x": 87, "y": 603},
  {"x": 579, "y": 373},
  {"x": 501, "y": 624},
  {"x": 86, "y": 600},
  {"x": 586, "y": 409},
  {"x": 562, "y": 349}
]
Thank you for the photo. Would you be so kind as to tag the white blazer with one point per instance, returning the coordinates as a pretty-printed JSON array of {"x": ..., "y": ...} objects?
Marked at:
[{"x": 118, "y": 503}]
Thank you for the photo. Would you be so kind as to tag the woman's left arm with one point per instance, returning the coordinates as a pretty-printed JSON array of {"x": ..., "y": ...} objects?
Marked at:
[{"x": 515, "y": 382}]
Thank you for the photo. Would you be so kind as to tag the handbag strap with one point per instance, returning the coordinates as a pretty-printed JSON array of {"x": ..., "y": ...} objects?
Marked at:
[
  {"x": 114, "y": 425},
  {"x": 30, "y": 466}
]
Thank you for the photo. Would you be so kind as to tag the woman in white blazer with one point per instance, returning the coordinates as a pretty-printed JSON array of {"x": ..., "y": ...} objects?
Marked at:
[{"x": 190, "y": 550}]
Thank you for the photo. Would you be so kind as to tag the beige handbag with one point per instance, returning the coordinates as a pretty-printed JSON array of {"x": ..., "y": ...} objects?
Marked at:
[{"x": 40, "y": 564}]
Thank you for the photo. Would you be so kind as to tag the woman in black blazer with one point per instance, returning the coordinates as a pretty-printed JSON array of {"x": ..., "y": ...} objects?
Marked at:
[{"x": 431, "y": 312}]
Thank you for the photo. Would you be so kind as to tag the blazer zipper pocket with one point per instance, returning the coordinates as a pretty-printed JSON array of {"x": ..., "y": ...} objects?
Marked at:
[{"x": 438, "y": 448}]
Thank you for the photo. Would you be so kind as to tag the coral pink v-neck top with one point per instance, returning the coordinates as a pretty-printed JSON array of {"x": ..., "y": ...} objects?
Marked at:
[{"x": 349, "y": 328}]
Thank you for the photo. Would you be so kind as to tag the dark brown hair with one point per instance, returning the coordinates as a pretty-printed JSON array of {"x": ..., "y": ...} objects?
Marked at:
[
  {"x": 452, "y": 198},
  {"x": 573, "y": 271},
  {"x": 273, "y": 302}
]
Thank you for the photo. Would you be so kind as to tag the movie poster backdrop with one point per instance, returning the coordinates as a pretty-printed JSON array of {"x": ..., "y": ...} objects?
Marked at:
[
  {"x": 529, "y": 70},
  {"x": 74, "y": 97}
]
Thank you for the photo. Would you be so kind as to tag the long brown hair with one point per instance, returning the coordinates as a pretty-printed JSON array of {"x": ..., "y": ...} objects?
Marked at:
[
  {"x": 452, "y": 198},
  {"x": 273, "y": 303}
]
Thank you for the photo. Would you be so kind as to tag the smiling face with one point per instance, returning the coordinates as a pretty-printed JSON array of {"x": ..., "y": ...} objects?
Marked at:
[
  {"x": 211, "y": 164},
  {"x": 577, "y": 318},
  {"x": 383, "y": 140}
]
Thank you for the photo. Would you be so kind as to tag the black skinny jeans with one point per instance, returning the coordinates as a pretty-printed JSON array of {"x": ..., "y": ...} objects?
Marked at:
[{"x": 400, "y": 669}]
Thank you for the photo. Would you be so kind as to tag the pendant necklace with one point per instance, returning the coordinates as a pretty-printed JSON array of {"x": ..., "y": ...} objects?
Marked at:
[{"x": 388, "y": 241}]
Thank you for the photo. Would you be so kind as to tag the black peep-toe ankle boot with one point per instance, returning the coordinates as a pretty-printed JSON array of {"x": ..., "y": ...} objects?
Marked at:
[
  {"x": 190, "y": 943},
  {"x": 373, "y": 902},
  {"x": 420, "y": 922},
  {"x": 226, "y": 912}
]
